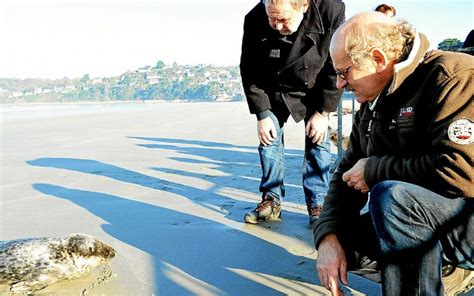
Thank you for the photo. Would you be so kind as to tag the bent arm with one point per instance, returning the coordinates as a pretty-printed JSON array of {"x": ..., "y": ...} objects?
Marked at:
[{"x": 250, "y": 69}]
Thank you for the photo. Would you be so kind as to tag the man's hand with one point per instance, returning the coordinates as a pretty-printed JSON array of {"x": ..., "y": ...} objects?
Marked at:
[
  {"x": 355, "y": 176},
  {"x": 317, "y": 127},
  {"x": 266, "y": 131},
  {"x": 331, "y": 264}
]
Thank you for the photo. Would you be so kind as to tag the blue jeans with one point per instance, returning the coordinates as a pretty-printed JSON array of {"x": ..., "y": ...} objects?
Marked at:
[
  {"x": 315, "y": 171},
  {"x": 417, "y": 231}
]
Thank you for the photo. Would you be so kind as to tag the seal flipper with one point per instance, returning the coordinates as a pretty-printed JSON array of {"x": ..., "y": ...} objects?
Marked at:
[{"x": 29, "y": 284}]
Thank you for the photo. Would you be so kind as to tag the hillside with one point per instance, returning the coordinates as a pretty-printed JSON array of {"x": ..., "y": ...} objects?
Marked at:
[{"x": 159, "y": 82}]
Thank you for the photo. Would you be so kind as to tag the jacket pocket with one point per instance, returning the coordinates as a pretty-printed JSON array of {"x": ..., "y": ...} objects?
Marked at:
[
  {"x": 404, "y": 124},
  {"x": 406, "y": 132}
]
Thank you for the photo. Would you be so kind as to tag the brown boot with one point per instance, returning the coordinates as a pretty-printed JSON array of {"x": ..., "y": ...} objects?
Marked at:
[
  {"x": 314, "y": 213},
  {"x": 268, "y": 209}
]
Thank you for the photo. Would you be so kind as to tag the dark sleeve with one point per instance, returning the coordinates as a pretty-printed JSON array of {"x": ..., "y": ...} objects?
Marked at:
[
  {"x": 250, "y": 69},
  {"x": 326, "y": 82},
  {"x": 448, "y": 167},
  {"x": 342, "y": 203}
]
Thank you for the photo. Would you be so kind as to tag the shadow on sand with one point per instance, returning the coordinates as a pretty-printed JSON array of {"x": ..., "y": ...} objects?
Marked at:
[{"x": 190, "y": 251}]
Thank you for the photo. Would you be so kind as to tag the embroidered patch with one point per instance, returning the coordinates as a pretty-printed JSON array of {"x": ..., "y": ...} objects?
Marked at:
[
  {"x": 407, "y": 112},
  {"x": 461, "y": 131},
  {"x": 275, "y": 53}
]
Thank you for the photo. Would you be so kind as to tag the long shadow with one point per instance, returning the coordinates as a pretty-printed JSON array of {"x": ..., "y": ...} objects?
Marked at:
[
  {"x": 201, "y": 248},
  {"x": 189, "y": 237},
  {"x": 194, "y": 142},
  {"x": 239, "y": 164},
  {"x": 207, "y": 144},
  {"x": 198, "y": 196}
]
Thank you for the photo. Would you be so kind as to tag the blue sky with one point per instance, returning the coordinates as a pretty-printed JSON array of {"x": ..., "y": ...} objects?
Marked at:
[{"x": 69, "y": 38}]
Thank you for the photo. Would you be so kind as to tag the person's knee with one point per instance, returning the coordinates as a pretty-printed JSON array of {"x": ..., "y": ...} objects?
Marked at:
[
  {"x": 387, "y": 198},
  {"x": 387, "y": 207},
  {"x": 380, "y": 195}
]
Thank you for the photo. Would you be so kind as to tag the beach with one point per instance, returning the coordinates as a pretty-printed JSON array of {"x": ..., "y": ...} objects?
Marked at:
[{"x": 167, "y": 186}]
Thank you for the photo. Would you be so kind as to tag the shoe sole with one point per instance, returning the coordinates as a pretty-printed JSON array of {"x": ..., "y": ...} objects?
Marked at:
[
  {"x": 363, "y": 271},
  {"x": 251, "y": 220}
]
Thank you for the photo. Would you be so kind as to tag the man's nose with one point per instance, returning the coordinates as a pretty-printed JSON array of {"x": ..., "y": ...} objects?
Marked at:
[
  {"x": 278, "y": 26},
  {"x": 340, "y": 83}
]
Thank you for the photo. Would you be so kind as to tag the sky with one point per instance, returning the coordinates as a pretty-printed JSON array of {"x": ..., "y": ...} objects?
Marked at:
[{"x": 69, "y": 38}]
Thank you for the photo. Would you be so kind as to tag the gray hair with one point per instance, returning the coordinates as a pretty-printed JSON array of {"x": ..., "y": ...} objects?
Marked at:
[
  {"x": 297, "y": 4},
  {"x": 394, "y": 39}
]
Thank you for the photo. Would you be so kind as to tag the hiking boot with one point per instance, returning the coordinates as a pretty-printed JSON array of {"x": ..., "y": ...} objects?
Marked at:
[
  {"x": 457, "y": 280},
  {"x": 368, "y": 269},
  {"x": 314, "y": 213},
  {"x": 365, "y": 265},
  {"x": 268, "y": 209}
]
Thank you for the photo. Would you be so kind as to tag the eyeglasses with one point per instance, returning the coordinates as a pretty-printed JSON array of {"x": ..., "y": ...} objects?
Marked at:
[{"x": 343, "y": 74}]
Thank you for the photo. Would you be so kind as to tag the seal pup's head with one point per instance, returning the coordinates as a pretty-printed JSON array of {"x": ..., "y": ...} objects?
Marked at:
[
  {"x": 87, "y": 246},
  {"x": 31, "y": 264}
]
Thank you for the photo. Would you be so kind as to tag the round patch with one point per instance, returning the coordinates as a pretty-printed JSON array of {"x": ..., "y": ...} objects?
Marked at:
[{"x": 461, "y": 131}]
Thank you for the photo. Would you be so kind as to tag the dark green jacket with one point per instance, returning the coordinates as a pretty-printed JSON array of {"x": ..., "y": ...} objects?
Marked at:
[
  {"x": 307, "y": 81},
  {"x": 421, "y": 132}
]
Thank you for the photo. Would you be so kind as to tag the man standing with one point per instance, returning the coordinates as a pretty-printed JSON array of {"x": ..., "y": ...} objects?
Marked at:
[
  {"x": 412, "y": 147},
  {"x": 286, "y": 70}
]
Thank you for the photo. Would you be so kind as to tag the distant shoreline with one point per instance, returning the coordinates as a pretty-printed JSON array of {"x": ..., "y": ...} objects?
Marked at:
[
  {"x": 94, "y": 102},
  {"x": 47, "y": 109},
  {"x": 346, "y": 97},
  {"x": 42, "y": 110}
]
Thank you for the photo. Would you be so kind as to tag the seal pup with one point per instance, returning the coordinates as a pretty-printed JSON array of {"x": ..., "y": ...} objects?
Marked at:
[{"x": 31, "y": 264}]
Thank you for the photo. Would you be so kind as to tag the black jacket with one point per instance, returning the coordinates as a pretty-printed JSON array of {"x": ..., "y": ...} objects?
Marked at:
[
  {"x": 307, "y": 81},
  {"x": 421, "y": 131}
]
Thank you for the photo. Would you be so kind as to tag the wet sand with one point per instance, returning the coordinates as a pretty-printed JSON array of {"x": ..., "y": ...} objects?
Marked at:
[{"x": 167, "y": 186}]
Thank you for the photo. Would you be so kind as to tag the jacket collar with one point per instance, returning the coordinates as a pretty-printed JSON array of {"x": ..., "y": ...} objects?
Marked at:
[
  {"x": 404, "y": 69},
  {"x": 312, "y": 21},
  {"x": 311, "y": 25}
]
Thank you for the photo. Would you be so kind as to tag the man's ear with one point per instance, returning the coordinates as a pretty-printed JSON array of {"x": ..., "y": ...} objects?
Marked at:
[{"x": 380, "y": 59}]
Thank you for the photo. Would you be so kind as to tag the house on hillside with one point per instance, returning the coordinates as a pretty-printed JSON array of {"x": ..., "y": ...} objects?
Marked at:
[
  {"x": 152, "y": 77},
  {"x": 17, "y": 94},
  {"x": 145, "y": 69}
]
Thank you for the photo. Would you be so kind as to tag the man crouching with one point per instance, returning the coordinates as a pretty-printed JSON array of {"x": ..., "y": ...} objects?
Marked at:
[{"x": 412, "y": 148}]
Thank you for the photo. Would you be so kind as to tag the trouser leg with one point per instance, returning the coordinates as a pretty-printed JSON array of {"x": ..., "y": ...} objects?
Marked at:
[
  {"x": 316, "y": 166},
  {"x": 272, "y": 163},
  {"x": 415, "y": 227}
]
